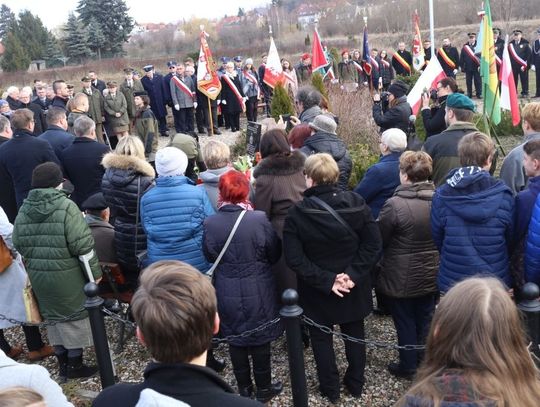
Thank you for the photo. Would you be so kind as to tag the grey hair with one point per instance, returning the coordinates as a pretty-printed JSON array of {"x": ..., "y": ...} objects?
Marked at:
[
  {"x": 83, "y": 126},
  {"x": 12, "y": 89},
  {"x": 308, "y": 96},
  {"x": 395, "y": 139},
  {"x": 4, "y": 123}
]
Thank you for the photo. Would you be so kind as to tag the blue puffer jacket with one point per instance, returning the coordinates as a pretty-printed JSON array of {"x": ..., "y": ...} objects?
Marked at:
[
  {"x": 172, "y": 214},
  {"x": 245, "y": 285},
  {"x": 471, "y": 223},
  {"x": 532, "y": 247}
]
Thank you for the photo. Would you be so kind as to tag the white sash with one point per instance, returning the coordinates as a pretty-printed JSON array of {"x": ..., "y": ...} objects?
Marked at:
[
  {"x": 358, "y": 67},
  {"x": 235, "y": 91},
  {"x": 254, "y": 81},
  {"x": 374, "y": 63},
  {"x": 470, "y": 52},
  {"x": 183, "y": 87},
  {"x": 516, "y": 57}
]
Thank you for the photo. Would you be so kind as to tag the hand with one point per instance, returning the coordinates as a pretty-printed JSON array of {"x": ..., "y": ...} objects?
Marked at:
[
  {"x": 523, "y": 69},
  {"x": 342, "y": 87},
  {"x": 219, "y": 102},
  {"x": 223, "y": 102},
  {"x": 195, "y": 104},
  {"x": 356, "y": 84},
  {"x": 376, "y": 97},
  {"x": 338, "y": 288},
  {"x": 245, "y": 99},
  {"x": 455, "y": 71},
  {"x": 118, "y": 114},
  {"x": 346, "y": 280},
  {"x": 425, "y": 100},
  {"x": 295, "y": 121},
  {"x": 334, "y": 81},
  {"x": 98, "y": 280},
  {"x": 177, "y": 107},
  {"x": 533, "y": 68}
]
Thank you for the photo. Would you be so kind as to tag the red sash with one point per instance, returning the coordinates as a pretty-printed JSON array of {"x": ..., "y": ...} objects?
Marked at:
[
  {"x": 358, "y": 67},
  {"x": 516, "y": 57},
  {"x": 235, "y": 91},
  {"x": 386, "y": 63},
  {"x": 470, "y": 53},
  {"x": 374, "y": 63},
  {"x": 254, "y": 81},
  {"x": 183, "y": 87},
  {"x": 498, "y": 60},
  {"x": 402, "y": 62},
  {"x": 446, "y": 58}
]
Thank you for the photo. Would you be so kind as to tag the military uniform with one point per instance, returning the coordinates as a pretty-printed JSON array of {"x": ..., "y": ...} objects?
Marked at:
[
  {"x": 449, "y": 60},
  {"x": 146, "y": 127},
  {"x": 127, "y": 90},
  {"x": 520, "y": 56},
  {"x": 535, "y": 60},
  {"x": 95, "y": 110},
  {"x": 398, "y": 66},
  {"x": 470, "y": 64}
]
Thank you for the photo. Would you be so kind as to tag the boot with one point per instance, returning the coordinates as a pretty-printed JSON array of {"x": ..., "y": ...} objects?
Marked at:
[
  {"x": 243, "y": 378},
  {"x": 217, "y": 364},
  {"x": 245, "y": 391},
  {"x": 62, "y": 367},
  {"x": 76, "y": 369},
  {"x": 265, "y": 394}
]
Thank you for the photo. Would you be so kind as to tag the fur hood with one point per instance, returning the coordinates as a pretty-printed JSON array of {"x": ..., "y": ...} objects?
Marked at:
[
  {"x": 280, "y": 164},
  {"x": 126, "y": 162}
]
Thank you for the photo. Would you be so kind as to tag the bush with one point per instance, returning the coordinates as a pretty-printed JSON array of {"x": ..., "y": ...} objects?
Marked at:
[
  {"x": 409, "y": 80},
  {"x": 239, "y": 148},
  {"x": 504, "y": 128},
  {"x": 318, "y": 83},
  {"x": 363, "y": 156},
  {"x": 281, "y": 102}
]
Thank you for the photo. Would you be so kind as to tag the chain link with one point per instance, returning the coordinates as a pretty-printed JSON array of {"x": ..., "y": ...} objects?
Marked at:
[
  {"x": 114, "y": 316},
  {"x": 366, "y": 342},
  {"x": 247, "y": 333},
  {"x": 70, "y": 317}
]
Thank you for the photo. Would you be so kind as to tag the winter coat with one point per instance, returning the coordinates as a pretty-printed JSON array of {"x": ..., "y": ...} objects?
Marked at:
[
  {"x": 525, "y": 202},
  {"x": 126, "y": 178},
  {"x": 443, "y": 150},
  {"x": 195, "y": 385},
  {"x": 466, "y": 63},
  {"x": 82, "y": 166},
  {"x": 59, "y": 102},
  {"x": 453, "y": 54},
  {"x": 172, "y": 214},
  {"x": 146, "y": 127},
  {"x": 512, "y": 171},
  {"x": 395, "y": 117},
  {"x": 251, "y": 89},
  {"x": 279, "y": 184},
  {"x": 317, "y": 248},
  {"x": 43, "y": 104},
  {"x": 51, "y": 233},
  {"x": 400, "y": 69},
  {"x": 433, "y": 118},
  {"x": 58, "y": 138},
  {"x": 244, "y": 281},
  {"x": 13, "y": 104},
  {"x": 39, "y": 118},
  {"x": 410, "y": 259},
  {"x": 7, "y": 193},
  {"x": 385, "y": 72},
  {"x": 103, "y": 234},
  {"x": 210, "y": 182},
  {"x": 532, "y": 244},
  {"x": 178, "y": 96},
  {"x": 321, "y": 142},
  {"x": 347, "y": 72},
  {"x": 19, "y": 156},
  {"x": 154, "y": 88},
  {"x": 303, "y": 73},
  {"x": 12, "y": 280},
  {"x": 127, "y": 91},
  {"x": 99, "y": 85},
  {"x": 471, "y": 223},
  {"x": 379, "y": 182},
  {"x": 114, "y": 105},
  {"x": 166, "y": 84},
  {"x": 308, "y": 115},
  {"x": 95, "y": 105},
  {"x": 227, "y": 94}
]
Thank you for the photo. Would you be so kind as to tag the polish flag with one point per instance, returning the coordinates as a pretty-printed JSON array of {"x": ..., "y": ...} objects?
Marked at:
[
  {"x": 427, "y": 81},
  {"x": 509, "y": 100},
  {"x": 273, "y": 73}
]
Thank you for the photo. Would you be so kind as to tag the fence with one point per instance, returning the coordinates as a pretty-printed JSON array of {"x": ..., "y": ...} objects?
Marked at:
[{"x": 292, "y": 316}]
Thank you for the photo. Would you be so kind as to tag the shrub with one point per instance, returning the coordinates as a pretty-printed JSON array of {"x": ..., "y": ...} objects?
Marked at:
[
  {"x": 239, "y": 148},
  {"x": 363, "y": 156},
  {"x": 318, "y": 83},
  {"x": 409, "y": 80},
  {"x": 281, "y": 102}
]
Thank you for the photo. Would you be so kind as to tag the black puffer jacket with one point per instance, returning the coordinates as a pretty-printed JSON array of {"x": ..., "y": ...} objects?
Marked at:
[
  {"x": 395, "y": 117},
  {"x": 120, "y": 188},
  {"x": 321, "y": 142},
  {"x": 433, "y": 118}
]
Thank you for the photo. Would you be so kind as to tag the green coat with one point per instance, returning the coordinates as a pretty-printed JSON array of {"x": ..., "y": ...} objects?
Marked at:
[
  {"x": 115, "y": 105},
  {"x": 146, "y": 127},
  {"x": 51, "y": 233},
  {"x": 128, "y": 94},
  {"x": 95, "y": 103}
]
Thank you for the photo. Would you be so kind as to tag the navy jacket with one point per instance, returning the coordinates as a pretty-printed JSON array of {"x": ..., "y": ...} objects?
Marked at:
[
  {"x": 244, "y": 282},
  {"x": 531, "y": 261},
  {"x": 471, "y": 223},
  {"x": 379, "y": 182},
  {"x": 20, "y": 155},
  {"x": 7, "y": 193},
  {"x": 167, "y": 89},
  {"x": 524, "y": 208},
  {"x": 154, "y": 88},
  {"x": 82, "y": 166},
  {"x": 59, "y": 102},
  {"x": 58, "y": 138}
]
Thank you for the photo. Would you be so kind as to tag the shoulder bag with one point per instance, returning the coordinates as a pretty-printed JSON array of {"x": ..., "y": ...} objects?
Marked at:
[
  {"x": 31, "y": 306},
  {"x": 336, "y": 216}
]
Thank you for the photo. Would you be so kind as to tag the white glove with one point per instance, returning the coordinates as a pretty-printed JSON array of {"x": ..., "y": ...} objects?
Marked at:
[
  {"x": 176, "y": 107},
  {"x": 365, "y": 83},
  {"x": 356, "y": 85},
  {"x": 223, "y": 102},
  {"x": 455, "y": 71},
  {"x": 533, "y": 68},
  {"x": 195, "y": 105},
  {"x": 342, "y": 87},
  {"x": 219, "y": 102},
  {"x": 245, "y": 99}
]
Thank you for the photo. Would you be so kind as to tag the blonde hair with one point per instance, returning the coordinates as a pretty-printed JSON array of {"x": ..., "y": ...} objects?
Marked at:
[
  {"x": 216, "y": 154},
  {"x": 475, "y": 149},
  {"x": 477, "y": 330},
  {"x": 531, "y": 114},
  {"x": 21, "y": 397},
  {"x": 130, "y": 145},
  {"x": 322, "y": 169},
  {"x": 78, "y": 100}
]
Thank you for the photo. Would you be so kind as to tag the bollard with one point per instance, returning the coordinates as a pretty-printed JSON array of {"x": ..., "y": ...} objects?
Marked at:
[
  {"x": 291, "y": 312},
  {"x": 99, "y": 334},
  {"x": 530, "y": 306}
]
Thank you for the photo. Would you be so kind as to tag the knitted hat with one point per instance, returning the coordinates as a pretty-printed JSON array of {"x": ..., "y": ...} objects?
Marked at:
[
  {"x": 95, "y": 202},
  {"x": 398, "y": 89},
  {"x": 249, "y": 61},
  {"x": 460, "y": 101},
  {"x": 47, "y": 175},
  {"x": 324, "y": 123},
  {"x": 171, "y": 161}
]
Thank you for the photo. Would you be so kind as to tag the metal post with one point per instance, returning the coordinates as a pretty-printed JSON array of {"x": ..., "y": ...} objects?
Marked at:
[
  {"x": 99, "y": 334},
  {"x": 291, "y": 312},
  {"x": 530, "y": 306}
]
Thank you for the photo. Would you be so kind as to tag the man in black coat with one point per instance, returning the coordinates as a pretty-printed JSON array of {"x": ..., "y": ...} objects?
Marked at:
[
  {"x": 448, "y": 56},
  {"x": 520, "y": 55},
  {"x": 57, "y": 135},
  {"x": 39, "y": 117},
  {"x": 96, "y": 83},
  {"x": 174, "y": 303},
  {"x": 499, "y": 48},
  {"x": 153, "y": 85},
  {"x": 82, "y": 160},
  {"x": 7, "y": 192},
  {"x": 13, "y": 98},
  {"x": 402, "y": 61},
  {"x": 535, "y": 62},
  {"x": 61, "y": 94},
  {"x": 20, "y": 155},
  {"x": 469, "y": 62},
  {"x": 41, "y": 98}
]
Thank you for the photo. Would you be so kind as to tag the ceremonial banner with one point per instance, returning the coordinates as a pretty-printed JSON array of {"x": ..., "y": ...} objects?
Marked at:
[
  {"x": 417, "y": 48},
  {"x": 509, "y": 99},
  {"x": 273, "y": 73},
  {"x": 488, "y": 70},
  {"x": 207, "y": 78},
  {"x": 366, "y": 55},
  {"x": 427, "y": 81},
  {"x": 318, "y": 57}
]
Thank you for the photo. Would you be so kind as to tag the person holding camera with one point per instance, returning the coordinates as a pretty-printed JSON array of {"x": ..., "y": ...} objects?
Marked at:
[
  {"x": 433, "y": 117},
  {"x": 391, "y": 109}
]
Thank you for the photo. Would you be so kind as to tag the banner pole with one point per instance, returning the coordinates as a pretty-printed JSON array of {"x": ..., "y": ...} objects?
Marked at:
[{"x": 211, "y": 129}]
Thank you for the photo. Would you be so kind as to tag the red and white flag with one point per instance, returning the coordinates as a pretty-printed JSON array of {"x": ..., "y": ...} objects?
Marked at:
[
  {"x": 427, "y": 81},
  {"x": 207, "y": 78},
  {"x": 273, "y": 73},
  {"x": 417, "y": 49},
  {"x": 509, "y": 99},
  {"x": 318, "y": 57}
]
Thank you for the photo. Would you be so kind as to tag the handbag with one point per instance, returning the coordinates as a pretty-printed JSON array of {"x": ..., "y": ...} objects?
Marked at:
[
  {"x": 6, "y": 257},
  {"x": 210, "y": 272},
  {"x": 332, "y": 212},
  {"x": 31, "y": 307}
]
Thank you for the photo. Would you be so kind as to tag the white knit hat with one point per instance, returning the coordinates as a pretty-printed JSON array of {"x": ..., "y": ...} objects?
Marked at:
[{"x": 171, "y": 161}]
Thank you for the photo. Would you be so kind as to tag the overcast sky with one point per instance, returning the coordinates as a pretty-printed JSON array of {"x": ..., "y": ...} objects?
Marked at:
[{"x": 55, "y": 12}]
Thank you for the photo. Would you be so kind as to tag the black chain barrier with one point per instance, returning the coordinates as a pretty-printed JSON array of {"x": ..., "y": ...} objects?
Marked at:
[
  {"x": 71, "y": 317},
  {"x": 245, "y": 334}
]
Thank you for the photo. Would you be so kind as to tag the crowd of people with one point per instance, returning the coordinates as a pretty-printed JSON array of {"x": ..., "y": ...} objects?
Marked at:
[{"x": 84, "y": 183}]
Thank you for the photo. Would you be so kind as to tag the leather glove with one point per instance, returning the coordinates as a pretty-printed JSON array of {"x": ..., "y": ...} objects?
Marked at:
[{"x": 176, "y": 107}]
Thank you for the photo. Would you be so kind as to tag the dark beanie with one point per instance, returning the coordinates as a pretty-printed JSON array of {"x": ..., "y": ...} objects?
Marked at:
[
  {"x": 47, "y": 175},
  {"x": 398, "y": 89}
]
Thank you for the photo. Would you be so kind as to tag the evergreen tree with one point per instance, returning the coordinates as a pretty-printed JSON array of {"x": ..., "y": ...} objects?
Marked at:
[
  {"x": 76, "y": 39},
  {"x": 15, "y": 58},
  {"x": 31, "y": 31},
  {"x": 241, "y": 12},
  {"x": 318, "y": 83},
  {"x": 53, "y": 53},
  {"x": 7, "y": 21},
  {"x": 281, "y": 102},
  {"x": 96, "y": 38}
]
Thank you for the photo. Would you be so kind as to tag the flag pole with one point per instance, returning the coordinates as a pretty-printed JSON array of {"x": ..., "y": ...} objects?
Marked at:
[
  {"x": 211, "y": 129},
  {"x": 370, "y": 82},
  {"x": 432, "y": 28}
]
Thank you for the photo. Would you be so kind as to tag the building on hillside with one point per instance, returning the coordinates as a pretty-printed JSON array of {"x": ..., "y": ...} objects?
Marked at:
[{"x": 308, "y": 14}]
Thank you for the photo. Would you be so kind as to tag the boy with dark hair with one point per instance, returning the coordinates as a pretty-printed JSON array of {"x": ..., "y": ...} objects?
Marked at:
[
  {"x": 175, "y": 309},
  {"x": 472, "y": 217}
]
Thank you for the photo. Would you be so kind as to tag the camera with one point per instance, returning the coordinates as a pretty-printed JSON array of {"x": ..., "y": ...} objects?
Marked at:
[{"x": 286, "y": 118}]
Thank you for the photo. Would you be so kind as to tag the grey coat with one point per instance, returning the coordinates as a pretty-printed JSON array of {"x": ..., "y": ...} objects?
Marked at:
[
  {"x": 180, "y": 97},
  {"x": 115, "y": 105},
  {"x": 512, "y": 172}
]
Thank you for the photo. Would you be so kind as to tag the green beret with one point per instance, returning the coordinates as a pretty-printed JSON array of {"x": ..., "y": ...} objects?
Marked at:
[{"x": 460, "y": 101}]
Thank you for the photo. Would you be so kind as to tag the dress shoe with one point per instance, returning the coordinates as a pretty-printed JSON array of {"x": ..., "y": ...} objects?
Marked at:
[
  {"x": 217, "y": 132},
  {"x": 265, "y": 394},
  {"x": 40, "y": 354},
  {"x": 396, "y": 370},
  {"x": 15, "y": 352},
  {"x": 245, "y": 391},
  {"x": 334, "y": 399}
]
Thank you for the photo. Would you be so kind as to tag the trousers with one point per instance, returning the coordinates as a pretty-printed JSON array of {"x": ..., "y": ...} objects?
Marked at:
[
  {"x": 470, "y": 77},
  {"x": 260, "y": 356},
  {"x": 32, "y": 336},
  {"x": 523, "y": 77}
]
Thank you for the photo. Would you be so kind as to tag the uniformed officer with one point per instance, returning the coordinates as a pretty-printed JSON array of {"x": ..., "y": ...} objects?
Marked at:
[
  {"x": 535, "y": 62},
  {"x": 520, "y": 54},
  {"x": 469, "y": 62}
]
